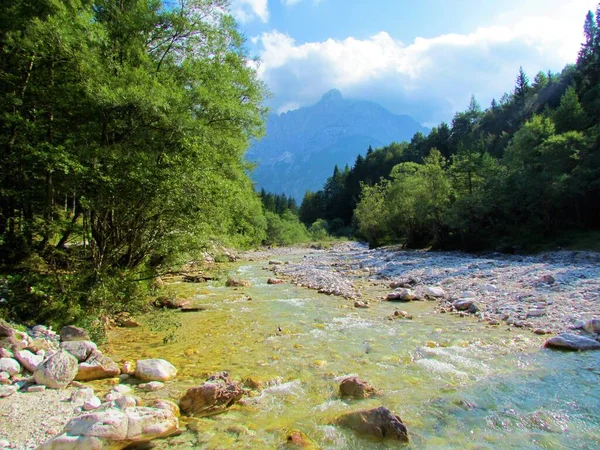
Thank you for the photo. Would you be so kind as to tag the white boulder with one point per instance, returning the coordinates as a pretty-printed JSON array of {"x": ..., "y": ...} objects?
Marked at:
[{"x": 155, "y": 370}]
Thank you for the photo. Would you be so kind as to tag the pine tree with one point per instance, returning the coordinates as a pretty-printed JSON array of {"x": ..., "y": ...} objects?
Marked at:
[{"x": 569, "y": 116}]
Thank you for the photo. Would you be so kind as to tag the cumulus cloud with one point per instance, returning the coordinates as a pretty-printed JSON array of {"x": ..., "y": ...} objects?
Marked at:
[
  {"x": 430, "y": 79},
  {"x": 249, "y": 10}
]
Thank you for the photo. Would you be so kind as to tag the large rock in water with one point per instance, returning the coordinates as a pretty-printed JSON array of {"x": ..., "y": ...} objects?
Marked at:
[
  {"x": 379, "y": 422},
  {"x": 97, "y": 367},
  {"x": 155, "y": 370},
  {"x": 57, "y": 371},
  {"x": 568, "y": 341},
  {"x": 114, "y": 429},
  {"x": 357, "y": 388},
  {"x": 212, "y": 397}
]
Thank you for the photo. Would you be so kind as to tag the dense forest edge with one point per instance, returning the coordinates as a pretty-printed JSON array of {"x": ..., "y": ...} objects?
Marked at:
[
  {"x": 123, "y": 133},
  {"x": 521, "y": 175}
]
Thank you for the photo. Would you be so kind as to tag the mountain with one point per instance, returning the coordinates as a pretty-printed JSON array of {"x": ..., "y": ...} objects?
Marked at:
[{"x": 302, "y": 147}]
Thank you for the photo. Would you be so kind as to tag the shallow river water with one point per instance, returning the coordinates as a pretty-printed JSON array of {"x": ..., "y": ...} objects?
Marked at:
[{"x": 455, "y": 382}]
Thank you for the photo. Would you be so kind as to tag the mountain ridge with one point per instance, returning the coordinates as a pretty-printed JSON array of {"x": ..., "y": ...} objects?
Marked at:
[{"x": 302, "y": 146}]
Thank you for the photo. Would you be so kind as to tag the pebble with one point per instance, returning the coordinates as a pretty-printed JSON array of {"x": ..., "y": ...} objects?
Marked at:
[
  {"x": 6, "y": 391},
  {"x": 151, "y": 386},
  {"x": 36, "y": 388},
  {"x": 121, "y": 389},
  {"x": 91, "y": 403}
]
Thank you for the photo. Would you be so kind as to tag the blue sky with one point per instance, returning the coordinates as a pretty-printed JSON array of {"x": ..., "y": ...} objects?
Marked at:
[{"x": 423, "y": 58}]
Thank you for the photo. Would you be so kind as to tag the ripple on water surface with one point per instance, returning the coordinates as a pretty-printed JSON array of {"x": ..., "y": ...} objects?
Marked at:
[{"x": 454, "y": 382}]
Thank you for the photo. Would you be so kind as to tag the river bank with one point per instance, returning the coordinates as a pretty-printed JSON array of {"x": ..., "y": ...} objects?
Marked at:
[
  {"x": 453, "y": 380},
  {"x": 551, "y": 292}
]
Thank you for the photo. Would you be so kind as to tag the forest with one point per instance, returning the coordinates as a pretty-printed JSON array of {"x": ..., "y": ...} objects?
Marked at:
[
  {"x": 123, "y": 132},
  {"x": 521, "y": 174}
]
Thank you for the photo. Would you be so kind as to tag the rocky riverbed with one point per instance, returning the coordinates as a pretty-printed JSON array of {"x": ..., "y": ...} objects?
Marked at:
[
  {"x": 289, "y": 346},
  {"x": 548, "y": 293}
]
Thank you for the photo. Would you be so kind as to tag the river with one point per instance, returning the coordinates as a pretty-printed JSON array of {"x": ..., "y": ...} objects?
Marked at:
[{"x": 454, "y": 381}]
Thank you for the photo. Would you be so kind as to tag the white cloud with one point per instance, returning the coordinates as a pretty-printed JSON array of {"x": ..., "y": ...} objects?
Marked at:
[
  {"x": 248, "y": 10},
  {"x": 429, "y": 79}
]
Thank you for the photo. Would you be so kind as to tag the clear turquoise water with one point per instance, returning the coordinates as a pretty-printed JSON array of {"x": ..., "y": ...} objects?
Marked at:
[{"x": 455, "y": 382}]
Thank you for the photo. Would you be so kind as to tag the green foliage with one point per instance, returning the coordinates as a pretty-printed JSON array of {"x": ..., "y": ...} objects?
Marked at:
[
  {"x": 285, "y": 229},
  {"x": 570, "y": 116},
  {"x": 319, "y": 230},
  {"x": 123, "y": 137},
  {"x": 512, "y": 177}
]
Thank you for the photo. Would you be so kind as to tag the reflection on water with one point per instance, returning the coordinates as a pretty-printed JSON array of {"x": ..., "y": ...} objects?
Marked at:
[{"x": 455, "y": 382}]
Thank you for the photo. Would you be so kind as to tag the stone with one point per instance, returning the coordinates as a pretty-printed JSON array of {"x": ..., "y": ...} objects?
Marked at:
[
  {"x": 30, "y": 361},
  {"x": 80, "y": 396},
  {"x": 548, "y": 279},
  {"x": 296, "y": 439},
  {"x": 114, "y": 429},
  {"x": 402, "y": 314},
  {"x": 568, "y": 341},
  {"x": 166, "y": 404},
  {"x": 36, "y": 388},
  {"x": 434, "y": 292},
  {"x": 73, "y": 333},
  {"x": 97, "y": 367},
  {"x": 171, "y": 303},
  {"x": 378, "y": 422},
  {"x": 214, "y": 396},
  {"x": 4, "y": 378},
  {"x": 128, "y": 367},
  {"x": 155, "y": 370},
  {"x": 361, "y": 304},
  {"x": 57, "y": 371},
  {"x": 592, "y": 326},
  {"x": 126, "y": 401},
  {"x": 233, "y": 282},
  {"x": 401, "y": 295},
  {"x": 487, "y": 288},
  {"x": 404, "y": 283},
  {"x": 275, "y": 281},
  {"x": 4, "y": 444},
  {"x": 275, "y": 262},
  {"x": 122, "y": 389},
  {"x": 112, "y": 396},
  {"x": 79, "y": 349},
  {"x": 6, "y": 391},
  {"x": 151, "y": 386},
  {"x": 536, "y": 313},
  {"x": 463, "y": 305},
  {"x": 91, "y": 403},
  {"x": 10, "y": 365},
  {"x": 6, "y": 353},
  {"x": 357, "y": 388}
]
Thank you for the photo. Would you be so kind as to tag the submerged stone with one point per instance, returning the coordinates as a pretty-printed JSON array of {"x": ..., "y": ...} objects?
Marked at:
[
  {"x": 568, "y": 341},
  {"x": 378, "y": 422}
]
